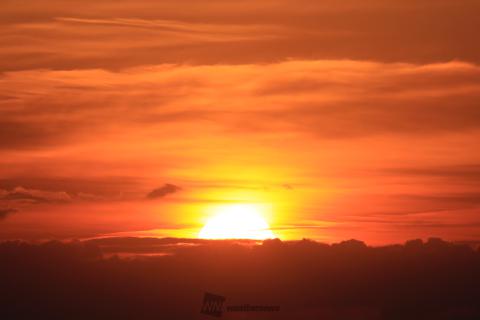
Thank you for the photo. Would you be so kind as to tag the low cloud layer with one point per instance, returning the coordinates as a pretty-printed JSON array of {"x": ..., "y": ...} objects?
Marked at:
[
  {"x": 417, "y": 280},
  {"x": 368, "y": 109}
]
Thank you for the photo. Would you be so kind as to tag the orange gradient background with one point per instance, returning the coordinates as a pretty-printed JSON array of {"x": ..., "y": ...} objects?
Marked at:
[{"x": 141, "y": 119}]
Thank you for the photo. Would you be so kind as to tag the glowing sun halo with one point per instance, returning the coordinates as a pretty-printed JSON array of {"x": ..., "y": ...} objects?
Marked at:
[{"x": 241, "y": 221}]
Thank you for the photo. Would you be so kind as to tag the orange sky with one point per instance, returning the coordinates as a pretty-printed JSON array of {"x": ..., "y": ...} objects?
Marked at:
[{"x": 345, "y": 119}]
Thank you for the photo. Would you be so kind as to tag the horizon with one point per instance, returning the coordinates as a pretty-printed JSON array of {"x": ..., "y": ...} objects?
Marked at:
[{"x": 473, "y": 244}]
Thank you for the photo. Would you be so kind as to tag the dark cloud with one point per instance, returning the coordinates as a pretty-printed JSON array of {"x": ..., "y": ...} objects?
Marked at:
[
  {"x": 163, "y": 191},
  {"x": 4, "y": 213},
  {"x": 431, "y": 279}
]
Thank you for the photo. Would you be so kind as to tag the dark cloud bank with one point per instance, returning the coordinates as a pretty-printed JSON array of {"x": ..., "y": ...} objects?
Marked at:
[{"x": 308, "y": 280}]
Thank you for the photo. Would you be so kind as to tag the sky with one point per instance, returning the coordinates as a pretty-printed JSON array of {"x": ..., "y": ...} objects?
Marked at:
[{"x": 339, "y": 119}]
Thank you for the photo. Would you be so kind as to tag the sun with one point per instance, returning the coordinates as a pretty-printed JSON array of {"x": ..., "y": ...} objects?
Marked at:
[{"x": 239, "y": 221}]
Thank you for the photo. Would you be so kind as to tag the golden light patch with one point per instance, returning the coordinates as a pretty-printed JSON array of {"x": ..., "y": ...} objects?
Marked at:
[{"x": 239, "y": 221}]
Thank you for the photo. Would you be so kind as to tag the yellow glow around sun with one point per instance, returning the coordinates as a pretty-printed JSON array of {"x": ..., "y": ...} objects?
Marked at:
[{"x": 239, "y": 221}]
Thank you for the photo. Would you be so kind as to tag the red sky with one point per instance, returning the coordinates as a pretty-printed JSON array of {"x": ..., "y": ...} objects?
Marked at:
[{"x": 344, "y": 119}]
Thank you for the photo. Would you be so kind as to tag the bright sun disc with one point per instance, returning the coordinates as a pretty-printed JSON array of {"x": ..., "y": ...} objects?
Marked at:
[{"x": 241, "y": 221}]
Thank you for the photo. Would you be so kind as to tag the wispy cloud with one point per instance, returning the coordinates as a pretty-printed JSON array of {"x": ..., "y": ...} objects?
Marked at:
[
  {"x": 21, "y": 194},
  {"x": 59, "y": 35},
  {"x": 329, "y": 99}
]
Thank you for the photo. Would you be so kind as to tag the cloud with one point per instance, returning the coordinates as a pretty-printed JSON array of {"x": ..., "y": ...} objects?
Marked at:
[
  {"x": 108, "y": 187},
  {"x": 163, "y": 191},
  {"x": 20, "y": 194},
  {"x": 191, "y": 30},
  {"x": 329, "y": 99},
  {"x": 143, "y": 32},
  {"x": 4, "y": 213},
  {"x": 339, "y": 281},
  {"x": 469, "y": 172},
  {"x": 464, "y": 199},
  {"x": 25, "y": 134}
]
